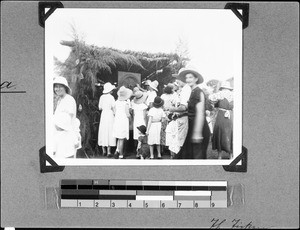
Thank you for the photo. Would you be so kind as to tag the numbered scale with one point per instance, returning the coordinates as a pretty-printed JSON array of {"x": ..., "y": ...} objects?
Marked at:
[{"x": 142, "y": 194}]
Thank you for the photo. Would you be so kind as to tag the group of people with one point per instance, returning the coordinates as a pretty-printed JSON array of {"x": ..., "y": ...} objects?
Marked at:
[{"x": 175, "y": 120}]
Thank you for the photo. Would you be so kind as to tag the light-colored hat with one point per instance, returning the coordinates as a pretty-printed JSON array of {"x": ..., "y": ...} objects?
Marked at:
[
  {"x": 139, "y": 97},
  {"x": 135, "y": 89},
  {"x": 189, "y": 69},
  {"x": 108, "y": 87},
  {"x": 226, "y": 85},
  {"x": 63, "y": 120},
  {"x": 124, "y": 93},
  {"x": 147, "y": 82},
  {"x": 153, "y": 84},
  {"x": 62, "y": 81}
]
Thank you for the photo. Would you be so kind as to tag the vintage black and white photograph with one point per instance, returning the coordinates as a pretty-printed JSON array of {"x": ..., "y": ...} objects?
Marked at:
[{"x": 143, "y": 86}]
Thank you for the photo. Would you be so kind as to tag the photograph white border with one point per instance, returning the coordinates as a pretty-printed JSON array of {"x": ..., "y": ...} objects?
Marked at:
[{"x": 237, "y": 122}]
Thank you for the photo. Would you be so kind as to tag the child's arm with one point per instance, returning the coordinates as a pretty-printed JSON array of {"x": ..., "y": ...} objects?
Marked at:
[
  {"x": 139, "y": 145},
  {"x": 145, "y": 115}
]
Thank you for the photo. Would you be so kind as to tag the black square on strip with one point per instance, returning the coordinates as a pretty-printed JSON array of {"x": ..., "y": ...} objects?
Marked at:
[
  {"x": 184, "y": 188},
  {"x": 202, "y": 188},
  {"x": 149, "y": 187},
  {"x": 135, "y": 187},
  {"x": 85, "y": 186},
  {"x": 217, "y": 188},
  {"x": 117, "y": 197},
  {"x": 68, "y": 186},
  {"x": 119, "y": 187},
  {"x": 101, "y": 187},
  {"x": 80, "y": 196},
  {"x": 170, "y": 188}
]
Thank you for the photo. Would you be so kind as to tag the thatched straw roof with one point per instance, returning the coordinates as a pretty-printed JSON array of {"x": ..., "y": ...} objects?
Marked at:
[{"x": 92, "y": 64}]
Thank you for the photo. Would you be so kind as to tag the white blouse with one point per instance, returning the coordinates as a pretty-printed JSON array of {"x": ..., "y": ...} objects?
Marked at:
[{"x": 221, "y": 95}]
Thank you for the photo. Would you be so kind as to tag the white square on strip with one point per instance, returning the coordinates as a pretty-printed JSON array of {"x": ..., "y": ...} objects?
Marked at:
[
  {"x": 219, "y": 204},
  {"x": 192, "y": 193},
  {"x": 65, "y": 203},
  {"x": 135, "y": 204},
  {"x": 102, "y": 203},
  {"x": 154, "y": 197},
  {"x": 152, "y": 204},
  {"x": 219, "y": 199},
  {"x": 168, "y": 203},
  {"x": 202, "y": 203},
  {"x": 85, "y": 203},
  {"x": 185, "y": 204},
  {"x": 118, "y": 204}
]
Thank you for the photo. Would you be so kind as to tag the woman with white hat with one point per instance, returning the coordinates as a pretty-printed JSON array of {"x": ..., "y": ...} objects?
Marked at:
[
  {"x": 198, "y": 136},
  {"x": 121, "y": 122},
  {"x": 223, "y": 128},
  {"x": 139, "y": 109},
  {"x": 65, "y": 132},
  {"x": 152, "y": 93},
  {"x": 179, "y": 120},
  {"x": 105, "y": 133}
]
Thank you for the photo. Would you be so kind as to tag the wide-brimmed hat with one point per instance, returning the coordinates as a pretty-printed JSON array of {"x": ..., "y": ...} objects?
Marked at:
[
  {"x": 225, "y": 85},
  {"x": 62, "y": 81},
  {"x": 153, "y": 85},
  {"x": 190, "y": 69},
  {"x": 124, "y": 93},
  {"x": 177, "y": 77},
  {"x": 142, "y": 129},
  {"x": 108, "y": 87},
  {"x": 139, "y": 97},
  {"x": 158, "y": 102},
  {"x": 63, "y": 120},
  {"x": 135, "y": 89},
  {"x": 147, "y": 82}
]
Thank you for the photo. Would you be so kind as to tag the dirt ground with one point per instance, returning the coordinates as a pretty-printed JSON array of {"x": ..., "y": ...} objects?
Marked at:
[{"x": 131, "y": 154}]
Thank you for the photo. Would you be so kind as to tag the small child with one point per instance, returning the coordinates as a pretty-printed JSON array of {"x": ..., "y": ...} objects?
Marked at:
[
  {"x": 156, "y": 116},
  {"x": 143, "y": 149}
]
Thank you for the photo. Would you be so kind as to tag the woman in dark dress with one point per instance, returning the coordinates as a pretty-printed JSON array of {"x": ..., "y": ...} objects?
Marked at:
[
  {"x": 222, "y": 134},
  {"x": 198, "y": 136}
]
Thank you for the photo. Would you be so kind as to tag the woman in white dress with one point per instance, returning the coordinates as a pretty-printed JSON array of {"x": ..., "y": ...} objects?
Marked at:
[
  {"x": 105, "y": 133},
  {"x": 66, "y": 132},
  {"x": 121, "y": 122},
  {"x": 139, "y": 112}
]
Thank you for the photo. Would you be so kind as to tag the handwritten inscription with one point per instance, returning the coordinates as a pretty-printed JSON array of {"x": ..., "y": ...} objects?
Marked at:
[
  {"x": 235, "y": 223},
  {"x": 7, "y": 85}
]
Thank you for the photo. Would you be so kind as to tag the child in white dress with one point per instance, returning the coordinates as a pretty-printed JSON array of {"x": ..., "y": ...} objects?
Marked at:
[{"x": 156, "y": 116}]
